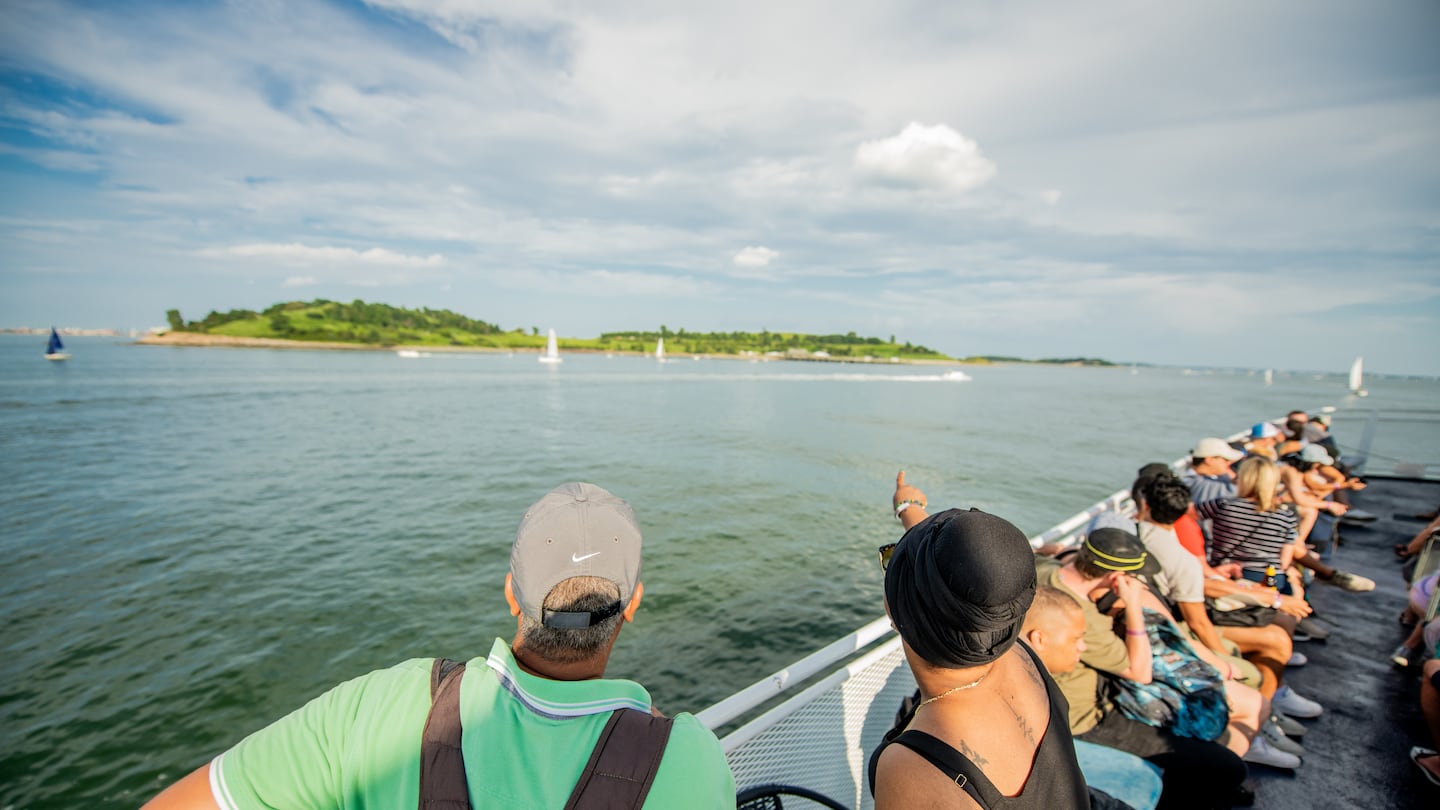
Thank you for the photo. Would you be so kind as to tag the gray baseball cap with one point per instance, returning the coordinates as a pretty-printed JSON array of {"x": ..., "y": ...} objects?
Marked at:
[{"x": 576, "y": 530}]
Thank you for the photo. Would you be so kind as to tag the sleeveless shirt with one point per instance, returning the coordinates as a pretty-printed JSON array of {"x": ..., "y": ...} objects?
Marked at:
[{"x": 1055, "y": 780}]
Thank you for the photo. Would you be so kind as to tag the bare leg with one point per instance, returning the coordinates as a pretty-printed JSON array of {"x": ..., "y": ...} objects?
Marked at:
[
  {"x": 1307, "y": 514},
  {"x": 1246, "y": 703},
  {"x": 1312, "y": 562},
  {"x": 1268, "y": 648},
  {"x": 1430, "y": 707},
  {"x": 1418, "y": 542}
]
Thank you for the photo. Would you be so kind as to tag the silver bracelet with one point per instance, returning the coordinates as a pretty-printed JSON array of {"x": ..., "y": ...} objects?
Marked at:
[{"x": 906, "y": 504}]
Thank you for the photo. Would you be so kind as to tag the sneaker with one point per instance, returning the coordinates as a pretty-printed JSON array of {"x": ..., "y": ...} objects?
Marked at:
[
  {"x": 1351, "y": 582},
  {"x": 1290, "y": 702},
  {"x": 1291, "y": 727},
  {"x": 1402, "y": 657},
  {"x": 1358, "y": 516},
  {"x": 1263, "y": 753},
  {"x": 1277, "y": 739},
  {"x": 1310, "y": 630},
  {"x": 1297, "y": 659}
]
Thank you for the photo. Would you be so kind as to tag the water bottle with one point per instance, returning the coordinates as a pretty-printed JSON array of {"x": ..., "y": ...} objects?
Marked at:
[{"x": 1270, "y": 577}]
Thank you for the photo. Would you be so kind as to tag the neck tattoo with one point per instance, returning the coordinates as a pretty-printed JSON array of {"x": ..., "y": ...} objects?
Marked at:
[{"x": 948, "y": 692}]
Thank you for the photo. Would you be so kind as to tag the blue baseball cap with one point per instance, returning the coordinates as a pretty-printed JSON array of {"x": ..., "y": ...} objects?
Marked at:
[{"x": 1264, "y": 430}]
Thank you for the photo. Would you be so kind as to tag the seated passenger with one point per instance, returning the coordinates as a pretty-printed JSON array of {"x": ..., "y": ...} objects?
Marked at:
[
  {"x": 525, "y": 719},
  {"x": 1251, "y": 529},
  {"x": 1305, "y": 489},
  {"x": 1294, "y": 433},
  {"x": 1162, "y": 500},
  {"x": 1196, "y": 773},
  {"x": 1210, "y": 477},
  {"x": 1420, "y": 592},
  {"x": 1264, "y": 436},
  {"x": 1426, "y": 759},
  {"x": 990, "y": 723}
]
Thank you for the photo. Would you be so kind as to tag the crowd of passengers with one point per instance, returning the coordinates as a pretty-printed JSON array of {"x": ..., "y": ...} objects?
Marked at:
[
  {"x": 1164, "y": 636},
  {"x": 1170, "y": 632}
]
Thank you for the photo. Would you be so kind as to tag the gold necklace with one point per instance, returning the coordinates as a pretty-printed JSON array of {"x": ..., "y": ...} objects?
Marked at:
[{"x": 951, "y": 691}]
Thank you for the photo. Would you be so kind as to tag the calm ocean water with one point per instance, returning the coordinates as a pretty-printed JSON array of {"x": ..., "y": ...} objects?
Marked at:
[{"x": 196, "y": 541}]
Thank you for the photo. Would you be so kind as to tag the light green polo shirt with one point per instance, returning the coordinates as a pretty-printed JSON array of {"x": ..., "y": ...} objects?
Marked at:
[{"x": 526, "y": 740}]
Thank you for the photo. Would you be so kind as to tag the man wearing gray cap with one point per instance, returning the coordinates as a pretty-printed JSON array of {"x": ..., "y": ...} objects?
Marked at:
[
  {"x": 1210, "y": 477},
  {"x": 533, "y": 725}
]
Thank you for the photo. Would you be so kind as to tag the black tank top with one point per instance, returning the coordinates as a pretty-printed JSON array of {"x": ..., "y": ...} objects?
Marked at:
[{"x": 1055, "y": 780}]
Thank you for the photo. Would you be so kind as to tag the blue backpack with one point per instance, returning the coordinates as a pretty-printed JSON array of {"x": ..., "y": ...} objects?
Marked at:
[{"x": 1185, "y": 695}]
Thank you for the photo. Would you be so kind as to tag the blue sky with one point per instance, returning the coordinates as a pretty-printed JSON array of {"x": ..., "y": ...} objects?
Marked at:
[{"x": 1207, "y": 183}]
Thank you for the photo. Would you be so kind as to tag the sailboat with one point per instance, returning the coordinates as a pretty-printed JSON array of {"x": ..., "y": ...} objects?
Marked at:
[
  {"x": 660, "y": 350},
  {"x": 55, "y": 349},
  {"x": 552, "y": 352},
  {"x": 1269, "y": 376},
  {"x": 1356, "y": 375}
]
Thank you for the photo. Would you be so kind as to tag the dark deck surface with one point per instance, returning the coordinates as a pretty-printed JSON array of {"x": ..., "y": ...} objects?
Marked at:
[{"x": 1358, "y": 751}]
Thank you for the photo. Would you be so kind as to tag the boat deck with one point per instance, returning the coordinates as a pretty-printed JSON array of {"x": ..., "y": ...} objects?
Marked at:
[{"x": 1358, "y": 751}]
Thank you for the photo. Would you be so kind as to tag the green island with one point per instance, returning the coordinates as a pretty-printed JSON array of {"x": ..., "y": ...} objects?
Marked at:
[
  {"x": 373, "y": 324},
  {"x": 360, "y": 324}
]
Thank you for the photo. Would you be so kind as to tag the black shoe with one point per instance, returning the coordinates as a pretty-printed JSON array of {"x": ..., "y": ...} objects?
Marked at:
[{"x": 1244, "y": 795}]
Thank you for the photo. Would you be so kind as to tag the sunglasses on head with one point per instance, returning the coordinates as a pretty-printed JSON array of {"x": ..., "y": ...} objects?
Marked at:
[{"x": 886, "y": 551}]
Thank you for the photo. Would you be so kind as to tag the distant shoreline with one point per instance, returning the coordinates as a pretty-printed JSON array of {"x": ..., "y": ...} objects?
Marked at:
[{"x": 206, "y": 341}]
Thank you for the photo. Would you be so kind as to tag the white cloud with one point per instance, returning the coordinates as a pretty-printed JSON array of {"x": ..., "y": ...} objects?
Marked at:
[
  {"x": 58, "y": 159},
  {"x": 756, "y": 256},
  {"x": 293, "y": 253},
  {"x": 299, "y": 281},
  {"x": 1051, "y": 196},
  {"x": 926, "y": 157}
]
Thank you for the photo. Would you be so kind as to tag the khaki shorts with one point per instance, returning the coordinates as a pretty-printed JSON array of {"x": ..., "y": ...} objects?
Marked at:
[{"x": 1246, "y": 672}]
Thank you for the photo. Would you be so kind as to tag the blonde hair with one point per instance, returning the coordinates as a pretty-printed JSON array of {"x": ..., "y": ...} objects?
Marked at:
[{"x": 1257, "y": 479}]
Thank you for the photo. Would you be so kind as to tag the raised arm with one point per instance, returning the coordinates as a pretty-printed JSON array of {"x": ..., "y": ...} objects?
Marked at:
[
  {"x": 1137, "y": 637},
  {"x": 914, "y": 500}
]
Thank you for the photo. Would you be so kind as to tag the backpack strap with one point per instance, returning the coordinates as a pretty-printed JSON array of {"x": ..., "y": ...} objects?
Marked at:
[
  {"x": 442, "y": 763},
  {"x": 622, "y": 767}
]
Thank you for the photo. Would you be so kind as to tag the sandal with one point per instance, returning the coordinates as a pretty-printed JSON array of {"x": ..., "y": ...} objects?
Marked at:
[{"x": 1416, "y": 754}]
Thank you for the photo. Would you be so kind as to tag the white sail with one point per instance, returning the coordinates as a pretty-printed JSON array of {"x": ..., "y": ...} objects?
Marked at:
[
  {"x": 1357, "y": 377},
  {"x": 660, "y": 350},
  {"x": 1269, "y": 376},
  {"x": 552, "y": 351}
]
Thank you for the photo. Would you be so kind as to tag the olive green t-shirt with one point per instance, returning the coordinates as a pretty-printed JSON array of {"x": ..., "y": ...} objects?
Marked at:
[{"x": 1103, "y": 651}]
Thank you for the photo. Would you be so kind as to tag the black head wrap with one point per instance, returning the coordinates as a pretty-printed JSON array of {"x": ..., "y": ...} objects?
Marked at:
[{"x": 958, "y": 585}]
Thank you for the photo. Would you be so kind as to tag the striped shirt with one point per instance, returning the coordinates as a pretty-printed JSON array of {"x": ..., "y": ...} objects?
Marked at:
[{"x": 1240, "y": 533}]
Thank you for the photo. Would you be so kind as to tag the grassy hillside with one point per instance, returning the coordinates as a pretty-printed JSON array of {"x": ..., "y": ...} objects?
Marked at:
[
  {"x": 384, "y": 325},
  {"x": 358, "y": 322},
  {"x": 846, "y": 347}
]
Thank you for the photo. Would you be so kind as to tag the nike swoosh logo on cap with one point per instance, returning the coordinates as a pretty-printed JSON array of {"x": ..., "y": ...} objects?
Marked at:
[{"x": 575, "y": 559}]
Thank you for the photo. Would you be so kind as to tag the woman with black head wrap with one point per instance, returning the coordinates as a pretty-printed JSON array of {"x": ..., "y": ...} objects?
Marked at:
[{"x": 991, "y": 727}]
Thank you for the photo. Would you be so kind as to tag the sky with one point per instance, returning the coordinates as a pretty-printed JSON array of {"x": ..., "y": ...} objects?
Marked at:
[{"x": 1189, "y": 183}]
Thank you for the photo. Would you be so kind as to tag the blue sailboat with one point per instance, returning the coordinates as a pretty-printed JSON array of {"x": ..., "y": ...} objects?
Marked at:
[{"x": 55, "y": 349}]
